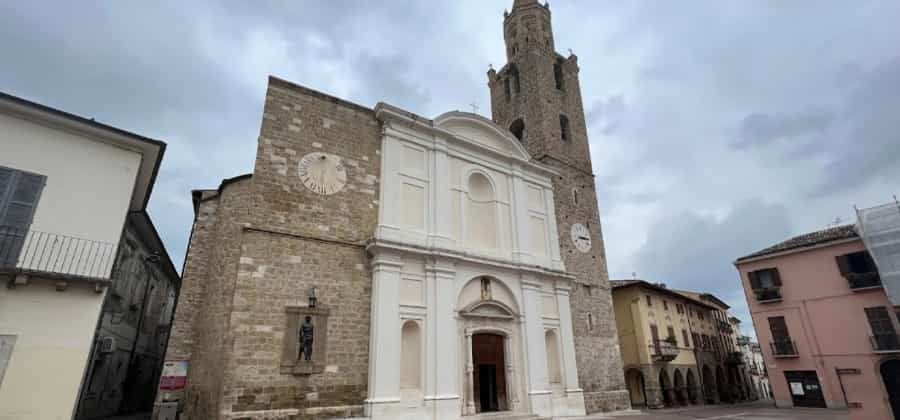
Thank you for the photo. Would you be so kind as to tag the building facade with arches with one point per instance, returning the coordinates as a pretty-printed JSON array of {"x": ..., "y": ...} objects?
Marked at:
[
  {"x": 678, "y": 347},
  {"x": 467, "y": 276}
]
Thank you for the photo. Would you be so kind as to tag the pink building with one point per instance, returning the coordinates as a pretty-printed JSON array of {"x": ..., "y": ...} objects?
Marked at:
[{"x": 826, "y": 327}]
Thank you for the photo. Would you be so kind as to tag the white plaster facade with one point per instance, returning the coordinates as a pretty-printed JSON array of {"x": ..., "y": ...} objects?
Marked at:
[
  {"x": 466, "y": 246},
  {"x": 93, "y": 176}
]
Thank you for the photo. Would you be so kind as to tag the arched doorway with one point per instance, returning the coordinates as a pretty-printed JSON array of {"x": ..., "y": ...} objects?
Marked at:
[
  {"x": 722, "y": 385},
  {"x": 890, "y": 374},
  {"x": 491, "y": 355},
  {"x": 634, "y": 379},
  {"x": 709, "y": 385},
  {"x": 666, "y": 388},
  {"x": 680, "y": 394},
  {"x": 691, "y": 387},
  {"x": 489, "y": 375}
]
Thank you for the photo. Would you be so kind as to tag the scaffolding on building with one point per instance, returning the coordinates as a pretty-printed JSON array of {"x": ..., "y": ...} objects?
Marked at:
[{"x": 879, "y": 228}]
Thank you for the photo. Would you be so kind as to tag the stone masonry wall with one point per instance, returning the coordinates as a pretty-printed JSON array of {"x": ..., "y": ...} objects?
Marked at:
[
  {"x": 293, "y": 239},
  {"x": 277, "y": 270},
  {"x": 211, "y": 337}
]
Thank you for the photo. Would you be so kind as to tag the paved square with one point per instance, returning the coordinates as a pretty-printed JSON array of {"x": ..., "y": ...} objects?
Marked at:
[{"x": 754, "y": 411}]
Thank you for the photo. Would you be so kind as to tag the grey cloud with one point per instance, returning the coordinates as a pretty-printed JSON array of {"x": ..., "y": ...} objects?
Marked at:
[
  {"x": 872, "y": 145},
  {"x": 387, "y": 78},
  {"x": 692, "y": 251},
  {"x": 608, "y": 114},
  {"x": 759, "y": 129}
]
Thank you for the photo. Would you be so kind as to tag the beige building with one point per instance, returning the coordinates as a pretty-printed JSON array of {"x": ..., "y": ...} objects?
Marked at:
[
  {"x": 678, "y": 347},
  {"x": 67, "y": 185}
]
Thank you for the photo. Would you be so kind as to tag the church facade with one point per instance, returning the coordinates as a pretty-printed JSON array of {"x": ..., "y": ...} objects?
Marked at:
[{"x": 380, "y": 264}]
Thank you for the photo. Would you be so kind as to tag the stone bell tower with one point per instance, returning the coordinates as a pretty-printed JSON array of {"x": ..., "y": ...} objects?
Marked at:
[{"x": 537, "y": 96}]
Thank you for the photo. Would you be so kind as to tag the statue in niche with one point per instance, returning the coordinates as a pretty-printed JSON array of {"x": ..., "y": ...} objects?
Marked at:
[
  {"x": 485, "y": 288},
  {"x": 307, "y": 333}
]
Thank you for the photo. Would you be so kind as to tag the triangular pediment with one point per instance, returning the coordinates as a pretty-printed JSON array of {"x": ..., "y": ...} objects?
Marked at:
[{"x": 483, "y": 132}]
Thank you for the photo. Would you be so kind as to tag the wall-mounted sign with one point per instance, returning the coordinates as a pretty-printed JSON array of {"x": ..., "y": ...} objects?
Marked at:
[
  {"x": 848, "y": 371},
  {"x": 797, "y": 388},
  {"x": 174, "y": 375}
]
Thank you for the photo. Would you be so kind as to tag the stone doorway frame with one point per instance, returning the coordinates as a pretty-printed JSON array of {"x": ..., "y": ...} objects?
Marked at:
[{"x": 475, "y": 320}]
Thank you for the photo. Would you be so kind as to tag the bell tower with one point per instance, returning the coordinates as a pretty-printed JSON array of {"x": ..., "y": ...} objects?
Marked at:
[{"x": 537, "y": 97}]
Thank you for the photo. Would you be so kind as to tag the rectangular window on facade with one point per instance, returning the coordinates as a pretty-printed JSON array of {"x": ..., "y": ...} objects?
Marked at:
[
  {"x": 665, "y": 305},
  {"x": 654, "y": 333},
  {"x": 671, "y": 336},
  {"x": 684, "y": 337},
  {"x": 782, "y": 345},
  {"x": 700, "y": 316},
  {"x": 884, "y": 337},
  {"x": 649, "y": 300},
  {"x": 859, "y": 269},
  {"x": 19, "y": 194},
  {"x": 766, "y": 284}
]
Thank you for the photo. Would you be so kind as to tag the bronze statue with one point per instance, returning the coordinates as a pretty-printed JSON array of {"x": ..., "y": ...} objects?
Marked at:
[{"x": 307, "y": 333}]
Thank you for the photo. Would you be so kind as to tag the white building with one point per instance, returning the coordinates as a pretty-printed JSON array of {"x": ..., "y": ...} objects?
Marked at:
[
  {"x": 467, "y": 276},
  {"x": 66, "y": 186}
]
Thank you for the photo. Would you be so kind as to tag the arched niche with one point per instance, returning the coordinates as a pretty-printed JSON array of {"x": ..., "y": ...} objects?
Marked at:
[
  {"x": 481, "y": 211},
  {"x": 411, "y": 355},
  {"x": 554, "y": 368}
]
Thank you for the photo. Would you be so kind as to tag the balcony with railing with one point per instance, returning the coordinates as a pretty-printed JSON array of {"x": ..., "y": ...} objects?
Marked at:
[
  {"x": 887, "y": 342},
  {"x": 54, "y": 255},
  {"x": 784, "y": 348},
  {"x": 860, "y": 281},
  {"x": 734, "y": 358},
  {"x": 664, "y": 350},
  {"x": 768, "y": 295}
]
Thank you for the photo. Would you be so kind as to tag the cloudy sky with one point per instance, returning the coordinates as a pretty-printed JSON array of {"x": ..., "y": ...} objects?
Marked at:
[{"x": 717, "y": 128}]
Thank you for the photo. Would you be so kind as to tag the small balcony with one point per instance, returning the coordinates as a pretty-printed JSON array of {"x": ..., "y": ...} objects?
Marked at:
[
  {"x": 888, "y": 343},
  {"x": 863, "y": 281},
  {"x": 664, "y": 350},
  {"x": 734, "y": 358},
  {"x": 784, "y": 348},
  {"x": 768, "y": 295},
  {"x": 53, "y": 255}
]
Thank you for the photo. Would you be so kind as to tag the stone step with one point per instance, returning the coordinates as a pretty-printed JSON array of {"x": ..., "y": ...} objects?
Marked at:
[{"x": 506, "y": 415}]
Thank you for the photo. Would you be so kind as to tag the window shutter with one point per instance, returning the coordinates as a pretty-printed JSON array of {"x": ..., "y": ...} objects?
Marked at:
[
  {"x": 880, "y": 320},
  {"x": 22, "y": 200},
  {"x": 843, "y": 264},
  {"x": 6, "y": 181},
  {"x": 754, "y": 280},
  {"x": 776, "y": 277}
]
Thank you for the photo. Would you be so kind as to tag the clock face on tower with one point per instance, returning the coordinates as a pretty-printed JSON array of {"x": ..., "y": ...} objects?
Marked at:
[
  {"x": 322, "y": 173},
  {"x": 581, "y": 237}
]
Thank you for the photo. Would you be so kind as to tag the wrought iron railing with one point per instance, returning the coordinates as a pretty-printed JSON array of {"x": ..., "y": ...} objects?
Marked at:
[
  {"x": 771, "y": 294},
  {"x": 664, "y": 350},
  {"x": 784, "y": 348},
  {"x": 885, "y": 342},
  {"x": 30, "y": 251},
  {"x": 863, "y": 280},
  {"x": 734, "y": 358}
]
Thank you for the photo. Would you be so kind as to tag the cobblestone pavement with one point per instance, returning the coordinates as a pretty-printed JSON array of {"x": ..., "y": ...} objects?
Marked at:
[{"x": 752, "y": 411}]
